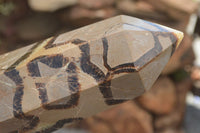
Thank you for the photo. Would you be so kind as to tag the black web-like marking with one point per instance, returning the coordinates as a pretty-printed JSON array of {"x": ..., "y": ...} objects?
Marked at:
[
  {"x": 53, "y": 61},
  {"x": 59, "y": 124},
  {"x": 91, "y": 69},
  {"x": 162, "y": 31},
  {"x": 105, "y": 53},
  {"x": 87, "y": 67},
  {"x": 15, "y": 77},
  {"x": 74, "y": 86},
  {"x": 25, "y": 56},
  {"x": 174, "y": 39},
  {"x": 50, "y": 43},
  {"x": 17, "y": 100},
  {"x": 56, "y": 61},
  {"x": 105, "y": 80},
  {"x": 42, "y": 92},
  {"x": 72, "y": 102}
]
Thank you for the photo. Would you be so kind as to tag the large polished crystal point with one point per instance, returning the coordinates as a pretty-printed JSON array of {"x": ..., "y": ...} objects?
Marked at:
[{"x": 80, "y": 73}]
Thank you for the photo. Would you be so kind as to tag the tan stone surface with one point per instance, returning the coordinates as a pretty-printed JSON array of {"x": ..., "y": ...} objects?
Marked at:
[{"x": 77, "y": 74}]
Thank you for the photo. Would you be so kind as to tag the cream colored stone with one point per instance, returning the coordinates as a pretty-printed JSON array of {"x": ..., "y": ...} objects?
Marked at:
[{"x": 83, "y": 72}]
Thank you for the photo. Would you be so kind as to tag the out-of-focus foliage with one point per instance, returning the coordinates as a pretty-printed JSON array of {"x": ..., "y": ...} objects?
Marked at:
[{"x": 6, "y": 8}]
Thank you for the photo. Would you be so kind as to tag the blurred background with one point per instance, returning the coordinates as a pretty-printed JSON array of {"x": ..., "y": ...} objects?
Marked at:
[{"x": 173, "y": 103}]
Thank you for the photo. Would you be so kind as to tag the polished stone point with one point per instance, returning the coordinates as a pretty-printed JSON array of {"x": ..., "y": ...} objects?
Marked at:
[{"x": 77, "y": 74}]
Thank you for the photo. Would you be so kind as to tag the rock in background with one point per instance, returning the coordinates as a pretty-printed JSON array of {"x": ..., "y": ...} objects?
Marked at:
[{"x": 162, "y": 108}]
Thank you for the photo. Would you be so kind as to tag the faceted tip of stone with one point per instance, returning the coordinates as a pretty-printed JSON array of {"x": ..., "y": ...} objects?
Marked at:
[
  {"x": 179, "y": 36},
  {"x": 131, "y": 23}
]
